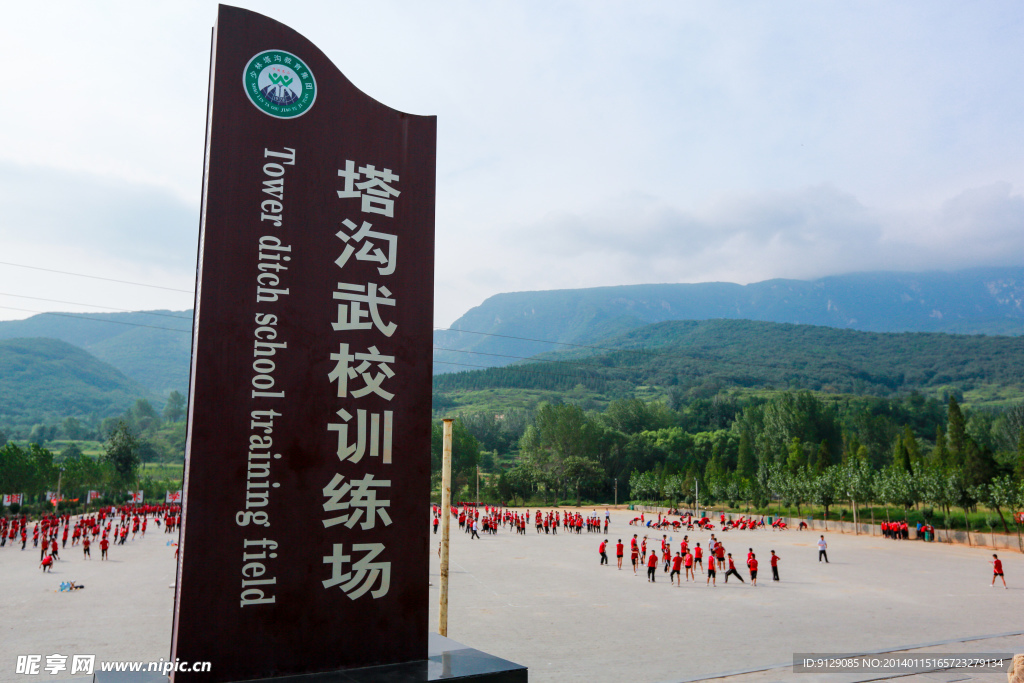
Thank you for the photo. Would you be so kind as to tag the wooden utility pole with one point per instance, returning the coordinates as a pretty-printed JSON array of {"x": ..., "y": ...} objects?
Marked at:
[{"x": 446, "y": 509}]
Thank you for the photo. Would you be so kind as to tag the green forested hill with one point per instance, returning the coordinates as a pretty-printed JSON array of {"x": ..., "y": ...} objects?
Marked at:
[
  {"x": 48, "y": 379},
  {"x": 976, "y": 301},
  {"x": 700, "y": 358},
  {"x": 150, "y": 347}
]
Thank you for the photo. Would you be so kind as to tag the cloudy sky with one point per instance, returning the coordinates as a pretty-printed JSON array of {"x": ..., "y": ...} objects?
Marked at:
[{"x": 580, "y": 143}]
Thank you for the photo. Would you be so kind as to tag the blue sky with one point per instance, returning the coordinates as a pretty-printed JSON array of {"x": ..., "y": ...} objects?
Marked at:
[{"x": 580, "y": 143}]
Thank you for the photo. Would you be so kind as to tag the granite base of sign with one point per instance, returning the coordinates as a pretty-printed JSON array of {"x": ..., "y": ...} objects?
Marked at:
[{"x": 447, "y": 660}]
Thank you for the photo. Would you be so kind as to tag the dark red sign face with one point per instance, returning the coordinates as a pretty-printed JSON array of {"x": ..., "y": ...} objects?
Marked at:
[{"x": 307, "y": 466}]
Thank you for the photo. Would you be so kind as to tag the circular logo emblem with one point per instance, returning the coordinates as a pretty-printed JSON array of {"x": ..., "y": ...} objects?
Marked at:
[{"x": 279, "y": 84}]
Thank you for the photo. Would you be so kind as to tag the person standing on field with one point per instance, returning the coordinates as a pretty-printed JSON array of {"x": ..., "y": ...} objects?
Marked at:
[
  {"x": 775, "y": 566},
  {"x": 732, "y": 570},
  {"x": 677, "y": 563},
  {"x": 997, "y": 570},
  {"x": 822, "y": 546},
  {"x": 603, "y": 549}
]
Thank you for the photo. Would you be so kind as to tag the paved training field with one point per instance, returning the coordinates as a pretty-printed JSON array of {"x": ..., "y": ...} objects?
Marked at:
[{"x": 544, "y": 601}]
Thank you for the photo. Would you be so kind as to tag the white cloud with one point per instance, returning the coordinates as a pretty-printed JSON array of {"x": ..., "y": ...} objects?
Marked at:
[
  {"x": 805, "y": 234},
  {"x": 580, "y": 143}
]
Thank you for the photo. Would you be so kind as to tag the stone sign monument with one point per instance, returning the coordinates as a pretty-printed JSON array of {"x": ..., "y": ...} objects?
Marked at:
[{"x": 304, "y": 536}]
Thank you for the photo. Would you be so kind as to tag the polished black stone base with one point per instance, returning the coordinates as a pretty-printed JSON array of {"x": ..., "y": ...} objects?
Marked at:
[{"x": 446, "y": 660}]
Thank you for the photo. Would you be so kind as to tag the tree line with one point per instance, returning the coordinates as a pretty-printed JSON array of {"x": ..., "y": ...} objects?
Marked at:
[
  {"x": 160, "y": 434},
  {"x": 794, "y": 447},
  {"x": 33, "y": 470}
]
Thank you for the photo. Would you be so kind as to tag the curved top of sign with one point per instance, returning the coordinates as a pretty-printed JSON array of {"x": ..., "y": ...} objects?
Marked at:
[{"x": 283, "y": 75}]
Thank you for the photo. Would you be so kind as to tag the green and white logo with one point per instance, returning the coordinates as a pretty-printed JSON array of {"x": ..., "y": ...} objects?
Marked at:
[{"x": 279, "y": 84}]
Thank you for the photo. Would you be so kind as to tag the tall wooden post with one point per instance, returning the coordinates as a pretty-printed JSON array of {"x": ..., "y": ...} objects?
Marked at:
[{"x": 446, "y": 512}]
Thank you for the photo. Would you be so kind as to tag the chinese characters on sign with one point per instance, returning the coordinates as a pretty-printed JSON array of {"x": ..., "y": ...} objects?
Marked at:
[{"x": 359, "y": 374}]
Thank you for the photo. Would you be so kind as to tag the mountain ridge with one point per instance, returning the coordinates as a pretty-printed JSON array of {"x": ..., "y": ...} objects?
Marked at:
[
  {"x": 974, "y": 301},
  {"x": 44, "y": 379}
]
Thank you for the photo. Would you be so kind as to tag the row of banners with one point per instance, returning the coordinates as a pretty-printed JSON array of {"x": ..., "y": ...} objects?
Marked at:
[{"x": 10, "y": 499}]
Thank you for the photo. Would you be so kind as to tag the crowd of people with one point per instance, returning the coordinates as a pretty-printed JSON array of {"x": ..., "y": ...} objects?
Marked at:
[
  {"x": 680, "y": 565},
  {"x": 475, "y": 520},
  {"x": 683, "y": 565},
  {"x": 105, "y": 527}
]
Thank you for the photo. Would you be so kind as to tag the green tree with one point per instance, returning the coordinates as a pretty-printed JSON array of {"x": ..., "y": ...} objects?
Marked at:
[
  {"x": 38, "y": 435},
  {"x": 73, "y": 429},
  {"x": 174, "y": 410},
  {"x": 824, "y": 460},
  {"x": 979, "y": 464},
  {"x": 144, "y": 415},
  {"x": 936, "y": 488},
  {"x": 578, "y": 471},
  {"x": 632, "y": 416},
  {"x": 963, "y": 494},
  {"x": 1002, "y": 493},
  {"x": 856, "y": 482},
  {"x": 957, "y": 433},
  {"x": 520, "y": 481},
  {"x": 898, "y": 487},
  {"x": 121, "y": 455},
  {"x": 795, "y": 455},
  {"x": 560, "y": 432},
  {"x": 940, "y": 456},
  {"x": 80, "y": 472},
  {"x": 746, "y": 465},
  {"x": 825, "y": 489},
  {"x": 465, "y": 453},
  {"x": 912, "y": 448},
  {"x": 70, "y": 451},
  {"x": 17, "y": 472},
  {"x": 1019, "y": 469},
  {"x": 900, "y": 457}
]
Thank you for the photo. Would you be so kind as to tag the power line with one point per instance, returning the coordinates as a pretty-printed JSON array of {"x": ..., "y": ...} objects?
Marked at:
[
  {"x": 85, "y": 316},
  {"x": 97, "y": 277},
  {"x": 112, "y": 308}
]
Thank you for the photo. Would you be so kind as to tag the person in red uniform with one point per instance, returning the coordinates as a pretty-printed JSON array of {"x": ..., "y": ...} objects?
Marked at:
[
  {"x": 618, "y": 553},
  {"x": 104, "y": 544},
  {"x": 47, "y": 563},
  {"x": 603, "y": 549},
  {"x": 997, "y": 570},
  {"x": 54, "y": 549},
  {"x": 677, "y": 563},
  {"x": 688, "y": 563},
  {"x": 698, "y": 557},
  {"x": 711, "y": 573},
  {"x": 732, "y": 570},
  {"x": 752, "y": 564},
  {"x": 85, "y": 548},
  {"x": 775, "y": 566},
  {"x": 652, "y": 566}
]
